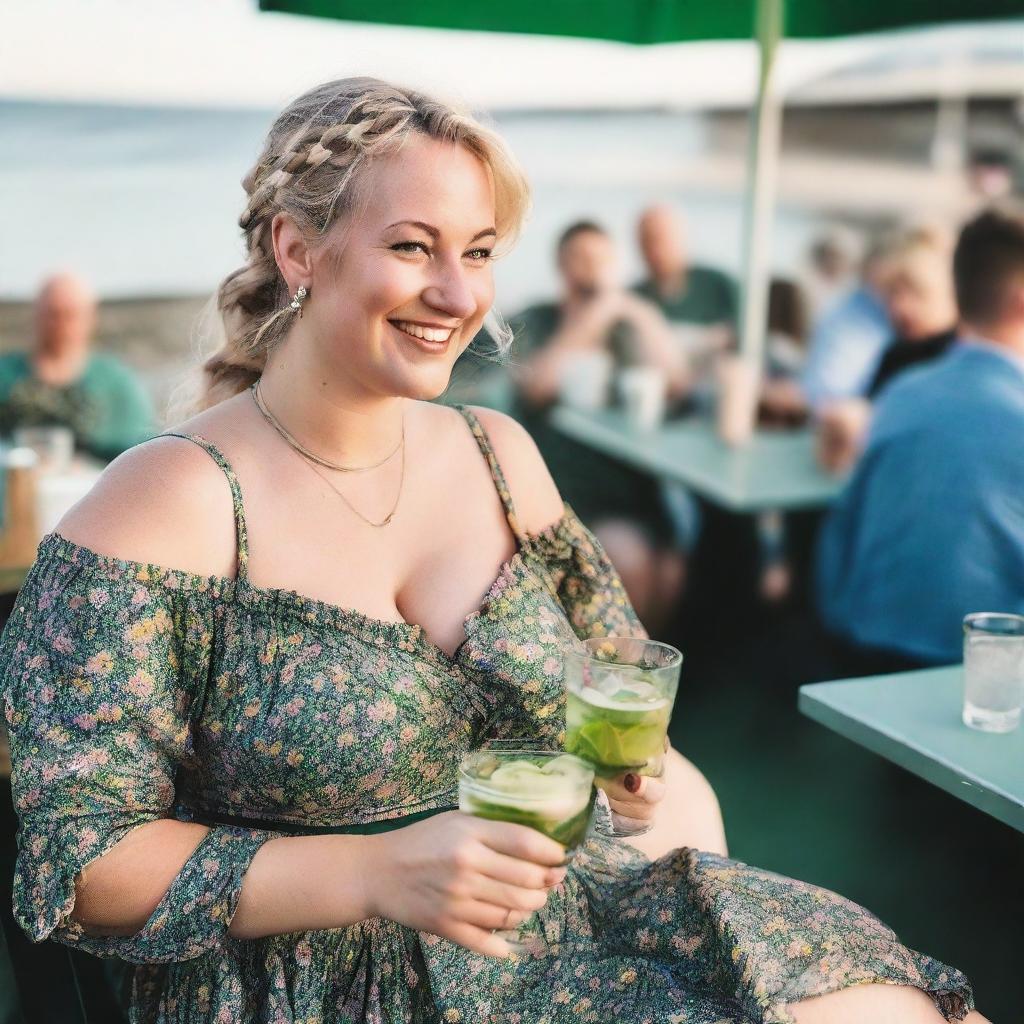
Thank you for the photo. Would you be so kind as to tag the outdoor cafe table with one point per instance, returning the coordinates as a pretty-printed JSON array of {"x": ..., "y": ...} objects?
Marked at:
[
  {"x": 774, "y": 470},
  {"x": 913, "y": 720}
]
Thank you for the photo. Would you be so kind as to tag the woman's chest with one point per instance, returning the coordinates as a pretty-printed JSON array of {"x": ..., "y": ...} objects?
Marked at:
[{"x": 342, "y": 716}]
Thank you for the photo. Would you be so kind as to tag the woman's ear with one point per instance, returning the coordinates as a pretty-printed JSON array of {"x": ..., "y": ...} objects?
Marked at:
[{"x": 292, "y": 253}]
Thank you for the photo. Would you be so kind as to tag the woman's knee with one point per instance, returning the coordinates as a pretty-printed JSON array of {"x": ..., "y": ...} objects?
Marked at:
[{"x": 878, "y": 1003}]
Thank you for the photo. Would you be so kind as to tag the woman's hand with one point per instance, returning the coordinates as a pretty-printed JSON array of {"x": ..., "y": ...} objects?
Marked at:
[
  {"x": 634, "y": 798},
  {"x": 462, "y": 877}
]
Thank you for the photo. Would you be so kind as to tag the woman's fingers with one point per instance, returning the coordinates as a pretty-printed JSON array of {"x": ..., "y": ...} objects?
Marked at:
[
  {"x": 507, "y": 897},
  {"x": 481, "y": 914},
  {"x": 523, "y": 843},
  {"x": 633, "y": 795},
  {"x": 480, "y": 940},
  {"x": 520, "y": 873}
]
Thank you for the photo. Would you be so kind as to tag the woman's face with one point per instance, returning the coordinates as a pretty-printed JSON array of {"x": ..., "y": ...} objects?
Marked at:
[
  {"x": 920, "y": 300},
  {"x": 392, "y": 312}
]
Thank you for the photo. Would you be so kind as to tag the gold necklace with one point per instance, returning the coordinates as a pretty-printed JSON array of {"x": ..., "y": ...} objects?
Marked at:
[
  {"x": 261, "y": 404},
  {"x": 309, "y": 461}
]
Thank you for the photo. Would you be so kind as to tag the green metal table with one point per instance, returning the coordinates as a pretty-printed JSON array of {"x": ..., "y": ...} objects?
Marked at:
[
  {"x": 913, "y": 720},
  {"x": 775, "y": 470}
]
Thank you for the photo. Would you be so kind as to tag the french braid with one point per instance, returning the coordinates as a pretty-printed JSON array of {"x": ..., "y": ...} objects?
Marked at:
[{"x": 312, "y": 168}]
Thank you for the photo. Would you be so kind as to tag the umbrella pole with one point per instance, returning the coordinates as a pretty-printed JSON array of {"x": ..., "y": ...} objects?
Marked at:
[{"x": 762, "y": 172}]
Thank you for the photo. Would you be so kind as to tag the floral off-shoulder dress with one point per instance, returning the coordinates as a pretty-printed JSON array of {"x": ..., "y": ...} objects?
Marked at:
[{"x": 136, "y": 692}]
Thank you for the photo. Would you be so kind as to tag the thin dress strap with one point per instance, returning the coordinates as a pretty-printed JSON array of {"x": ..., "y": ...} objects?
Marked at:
[
  {"x": 496, "y": 474},
  {"x": 241, "y": 533}
]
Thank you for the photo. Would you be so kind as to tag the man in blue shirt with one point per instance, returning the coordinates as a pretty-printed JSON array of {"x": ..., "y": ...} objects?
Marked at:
[{"x": 931, "y": 526}]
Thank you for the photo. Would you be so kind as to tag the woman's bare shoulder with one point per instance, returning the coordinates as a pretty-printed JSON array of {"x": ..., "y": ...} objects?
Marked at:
[
  {"x": 534, "y": 493},
  {"x": 165, "y": 502}
]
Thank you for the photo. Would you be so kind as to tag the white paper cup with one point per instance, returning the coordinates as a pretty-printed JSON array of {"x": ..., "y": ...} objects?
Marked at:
[
  {"x": 642, "y": 390},
  {"x": 584, "y": 380}
]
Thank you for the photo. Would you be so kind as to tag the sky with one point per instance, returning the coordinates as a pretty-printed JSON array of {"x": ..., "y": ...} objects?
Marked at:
[{"x": 227, "y": 53}]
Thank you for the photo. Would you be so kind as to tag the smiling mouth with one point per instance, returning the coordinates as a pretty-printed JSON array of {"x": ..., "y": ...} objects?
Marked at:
[{"x": 435, "y": 335}]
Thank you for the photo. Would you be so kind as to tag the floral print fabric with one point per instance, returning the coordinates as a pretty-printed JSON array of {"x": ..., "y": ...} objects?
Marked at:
[{"x": 134, "y": 692}]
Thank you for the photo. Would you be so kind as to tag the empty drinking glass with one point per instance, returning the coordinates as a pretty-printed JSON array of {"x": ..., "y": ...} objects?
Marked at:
[{"x": 993, "y": 671}]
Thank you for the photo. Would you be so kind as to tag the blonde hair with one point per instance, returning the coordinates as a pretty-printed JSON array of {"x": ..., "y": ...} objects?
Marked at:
[
  {"x": 314, "y": 167},
  {"x": 922, "y": 254}
]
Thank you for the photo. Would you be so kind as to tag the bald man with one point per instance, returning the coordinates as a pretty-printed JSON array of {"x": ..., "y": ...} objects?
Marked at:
[
  {"x": 60, "y": 382},
  {"x": 687, "y": 293}
]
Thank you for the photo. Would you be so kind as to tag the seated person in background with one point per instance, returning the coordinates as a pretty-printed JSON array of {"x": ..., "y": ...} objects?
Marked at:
[
  {"x": 595, "y": 326},
  {"x": 699, "y": 302},
  {"x": 916, "y": 281},
  {"x": 782, "y": 404},
  {"x": 848, "y": 339},
  {"x": 834, "y": 260},
  {"x": 782, "y": 399},
  {"x": 60, "y": 383},
  {"x": 931, "y": 526}
]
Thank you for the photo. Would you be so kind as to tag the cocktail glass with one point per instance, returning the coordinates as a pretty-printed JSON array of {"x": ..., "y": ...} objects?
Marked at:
[
  {"x": 547, "y": 790},
  {"x": 619, "y": 696}
]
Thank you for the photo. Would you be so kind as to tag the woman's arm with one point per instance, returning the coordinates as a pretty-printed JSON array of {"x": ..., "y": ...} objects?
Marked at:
[
  {"x": 453, "y": 875},
  {"x": 293, "y": 883}
]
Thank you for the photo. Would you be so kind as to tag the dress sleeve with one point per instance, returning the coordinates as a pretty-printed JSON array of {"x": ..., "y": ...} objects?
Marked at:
[
  {"x": 100, "y": 668},
  {"x": 588, "y": 587}
]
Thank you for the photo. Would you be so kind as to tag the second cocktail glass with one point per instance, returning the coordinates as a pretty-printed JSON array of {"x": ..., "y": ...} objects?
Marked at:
[
  {"x": 619, "y": 696},
  {"x": 549, "y": 791}
]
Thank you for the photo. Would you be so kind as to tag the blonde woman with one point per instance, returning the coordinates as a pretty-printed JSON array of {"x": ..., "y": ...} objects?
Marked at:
[{"x": 242, "y": 672}]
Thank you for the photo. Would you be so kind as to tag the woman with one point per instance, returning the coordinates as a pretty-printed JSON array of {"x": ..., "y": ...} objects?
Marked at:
[
  {"x": 915, "y": 277},
  {"x": 230, "y": 776}
]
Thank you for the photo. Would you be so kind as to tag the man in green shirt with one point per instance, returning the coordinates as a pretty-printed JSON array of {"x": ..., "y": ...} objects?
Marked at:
[
  {"x": 687, "y": 293},
  {"x": 59, "y": 382}
]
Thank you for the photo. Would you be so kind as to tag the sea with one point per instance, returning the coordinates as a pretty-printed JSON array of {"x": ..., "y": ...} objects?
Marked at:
[{"x": 144, "y": 201}]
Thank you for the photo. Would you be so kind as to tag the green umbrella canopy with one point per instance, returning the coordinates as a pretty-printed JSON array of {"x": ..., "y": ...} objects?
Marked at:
[{"x": 654, "y": 21}]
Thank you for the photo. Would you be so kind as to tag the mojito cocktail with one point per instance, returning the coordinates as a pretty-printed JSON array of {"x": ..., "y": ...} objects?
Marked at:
[
  {"x": 548, "y": 791},
  {"x": 551, "y": 792},
  {"x": 619, "y": 696}
]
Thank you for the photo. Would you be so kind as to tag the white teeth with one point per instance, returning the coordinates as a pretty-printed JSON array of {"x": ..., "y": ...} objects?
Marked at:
[{"x": 426, "y": 333}]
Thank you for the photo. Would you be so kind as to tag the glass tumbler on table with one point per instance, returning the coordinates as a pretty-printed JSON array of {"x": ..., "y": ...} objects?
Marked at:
[
  {"x": 546, "y": 790},
  {"x": 619, "y": 697},
  {"x": 993, "y": 671}
]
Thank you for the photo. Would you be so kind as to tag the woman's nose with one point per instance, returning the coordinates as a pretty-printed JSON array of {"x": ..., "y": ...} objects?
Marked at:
[{"x": 451, "y": 294}]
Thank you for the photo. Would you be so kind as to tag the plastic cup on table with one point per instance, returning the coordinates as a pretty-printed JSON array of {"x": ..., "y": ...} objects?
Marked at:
[{"x": 993, "y": 671}]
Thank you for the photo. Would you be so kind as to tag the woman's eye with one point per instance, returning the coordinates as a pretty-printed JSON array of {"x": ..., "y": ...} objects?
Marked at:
[
  {"x": 481, "y": 254},
  {"x": 409, "y": 246}
]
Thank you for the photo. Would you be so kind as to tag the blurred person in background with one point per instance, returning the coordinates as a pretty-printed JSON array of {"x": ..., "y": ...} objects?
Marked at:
[
  {"x": 834, "y": 258},
  {"x": 785, "y": 353},
  {"x": 555, "y": 341},
  {"x": 782, "y": 404},
  {"x": 686, "y": 292},
  {"x": 916, "y": 283},
  {"x": 59, "y": 381},
  {"x": 849, "y": 338},
  {"x": 990, "y": 175},
  {"x": 698, "y": 301},
  {"x": 931, "y": 526}
]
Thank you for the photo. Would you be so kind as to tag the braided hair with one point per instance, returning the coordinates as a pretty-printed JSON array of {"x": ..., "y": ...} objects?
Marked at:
[{"x": 313, "y": 167}]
